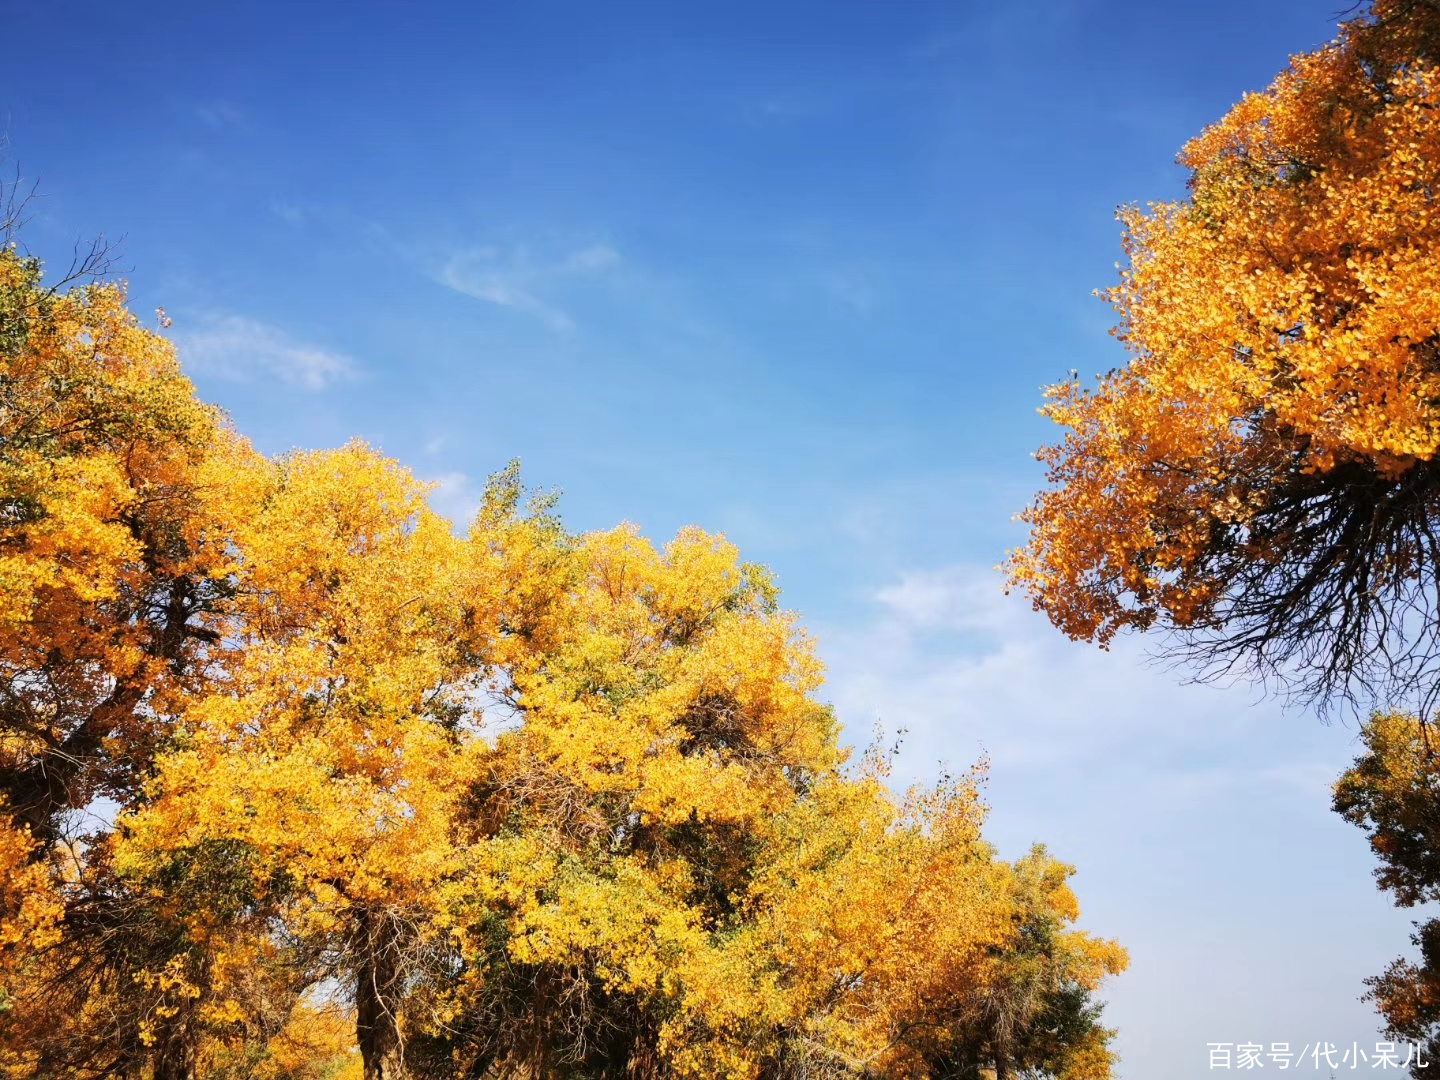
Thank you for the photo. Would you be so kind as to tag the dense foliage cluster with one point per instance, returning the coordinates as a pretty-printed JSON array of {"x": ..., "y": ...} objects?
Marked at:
[
  {"x": 296, "y": 782},
  {"x": 1262, "y": 476},
  {"x": 1393, "y": 793}
]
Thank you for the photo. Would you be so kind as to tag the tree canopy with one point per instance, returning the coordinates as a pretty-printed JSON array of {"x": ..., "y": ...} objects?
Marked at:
[
  {"x": 1260, "y": 477},
  {"x": 297, "y": 782},
  {"x": 1392, "y": 792}
]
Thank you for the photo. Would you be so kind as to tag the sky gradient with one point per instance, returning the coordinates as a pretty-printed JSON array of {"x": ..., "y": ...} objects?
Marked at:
[{"x": 795, "y": 273}]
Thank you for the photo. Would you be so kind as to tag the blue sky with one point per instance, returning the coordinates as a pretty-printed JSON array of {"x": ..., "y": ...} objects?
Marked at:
[{"x": 792, "y": 272}]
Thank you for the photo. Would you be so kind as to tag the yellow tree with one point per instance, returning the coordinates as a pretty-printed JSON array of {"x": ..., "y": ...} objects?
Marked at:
[
  {"x": 678, "y": 877},
  {"x": 329, "y": 762},
  {"x": 904, "y": 947},
  {"x": 555, "y": 806},
  {"x": 659, "y": 716},
  {"x": 1261, "y": 476},
  {"x": 516, "y": 803},
  {"x": 117, "y": 500},
  {"x": 117, "y": 492}
]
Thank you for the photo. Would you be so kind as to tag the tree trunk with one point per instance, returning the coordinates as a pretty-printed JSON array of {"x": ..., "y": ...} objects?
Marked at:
[
  {"x": 377, "y": 998},
  {"x": 1000, "y": 1046},
  {"x": 175, "y": 1056}
]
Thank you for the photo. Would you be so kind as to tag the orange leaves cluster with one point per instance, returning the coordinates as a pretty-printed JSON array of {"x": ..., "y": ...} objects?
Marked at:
[
  {"x": 1283, "y": 323},
  {"x": 1300, "y": 278}
]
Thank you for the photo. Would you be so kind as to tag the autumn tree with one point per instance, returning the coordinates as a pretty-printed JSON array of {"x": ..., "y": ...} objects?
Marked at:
[
  {"x": 297, "y": 781},
  {"x": 553, "y": 805},
  {"x": 682, "y": 878},
  {"x": 116, "y": 500},
  {"x": 1260, "y": 478},
  {"x": 1392, "y": 791},
  {"x": 573, "y": 810},
  {"x": 329, "y": 764},
  {"x": 117, "y": 492}
]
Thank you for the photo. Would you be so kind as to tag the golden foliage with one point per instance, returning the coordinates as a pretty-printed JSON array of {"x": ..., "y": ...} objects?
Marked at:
[
  {"x": 1261, "y": 467},
  {"x": 391, "y": 801}
]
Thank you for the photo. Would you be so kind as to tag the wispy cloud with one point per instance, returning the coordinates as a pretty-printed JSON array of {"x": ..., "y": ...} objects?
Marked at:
[
  {"x": 288, "y": 212},
  {"x": 964, "y": 667},
  {"x": 241, "y": 350},
  {"x": 514, "y": 278},
  {"x": 1184, "y": 806},
  {"x": 455, "y": 496},
  {"x": 1001, "y": 28},
  {"x": 219, "y": 114}
]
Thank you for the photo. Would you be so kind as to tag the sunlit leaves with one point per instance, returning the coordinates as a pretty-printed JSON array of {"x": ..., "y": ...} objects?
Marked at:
[
  {"x": 1259, "y": 476},
  {"x": 386, "y": 799}
]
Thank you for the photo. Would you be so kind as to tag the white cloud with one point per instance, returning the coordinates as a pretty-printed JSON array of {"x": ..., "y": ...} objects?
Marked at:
[
  {"x": 288, "y": 212},
  {"x": 241, "y": 350},
  {"x": 456, "y": 497},
  {"x": 512, "y": 278},
  {"x": 960, "y": 665},
  {"x": 219, "y": 114},
  {"x": 588, "y": 260},
  {"x": 955, "y": 597},
  {"x": 1199, "y": 819}
]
